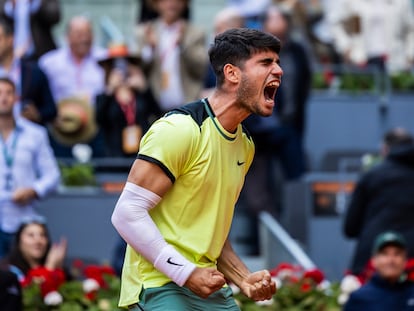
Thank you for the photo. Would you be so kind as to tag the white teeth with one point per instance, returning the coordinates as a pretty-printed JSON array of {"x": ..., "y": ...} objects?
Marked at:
[{"x": 274, "y": 83}]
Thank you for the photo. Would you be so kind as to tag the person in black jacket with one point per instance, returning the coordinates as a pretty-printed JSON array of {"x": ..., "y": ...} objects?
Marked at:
[
  {"x": 383, "y": 199},
  {"x": 125, "y": 110},
  {"x": 279, "y": 137},
  {"x": 388, "y": 289}
]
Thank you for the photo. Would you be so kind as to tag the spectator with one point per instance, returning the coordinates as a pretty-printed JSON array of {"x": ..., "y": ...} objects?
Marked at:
[
  {"x": 175, "y": 52},
  {"x": 280, "y": 135},
  {"x": 125, "y": 109},
  {"x": 35, "y": 99},
  {"x": 73, "y": 72},
  {"x": 378, "y": 33},
  {"x": 382, "y": 199},
  {"x": 292, "y": 97},
  {"x": 33, "y": 21},
  {"x": 388, "y": 289},
  {"x": 34, "y": 254},
  {"x": 28, "y": 169}
]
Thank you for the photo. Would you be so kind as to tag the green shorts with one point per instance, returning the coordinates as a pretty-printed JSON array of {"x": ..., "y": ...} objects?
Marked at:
[{"x": 172, "y": 297}]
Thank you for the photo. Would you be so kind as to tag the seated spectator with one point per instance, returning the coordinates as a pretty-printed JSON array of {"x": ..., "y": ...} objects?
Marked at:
[
  {"x": 28, "y": 168},
  {"x": 388, "y": 289},
  {"x": 124, "y": 110},
  {"x": 33, "y": 21},
  {"x": 34, "y": 255},
  {"x": 73, "y": 71},
  {"x": 382, "y": 199},
  {"x": 35, "y": 98}
]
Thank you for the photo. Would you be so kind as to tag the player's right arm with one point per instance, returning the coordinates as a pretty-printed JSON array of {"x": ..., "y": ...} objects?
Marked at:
[{"x": 146, "y": 184}]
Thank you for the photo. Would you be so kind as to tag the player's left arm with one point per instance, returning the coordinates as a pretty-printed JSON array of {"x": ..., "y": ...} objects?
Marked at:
[{"x": 255, "y": 285}]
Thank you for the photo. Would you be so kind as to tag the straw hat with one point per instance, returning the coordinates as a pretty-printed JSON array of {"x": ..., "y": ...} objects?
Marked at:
[{"x": 75, "y": 122}]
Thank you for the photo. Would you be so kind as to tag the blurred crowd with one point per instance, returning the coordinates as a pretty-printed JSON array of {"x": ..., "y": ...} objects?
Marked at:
[{"x": 106, "y": 97}]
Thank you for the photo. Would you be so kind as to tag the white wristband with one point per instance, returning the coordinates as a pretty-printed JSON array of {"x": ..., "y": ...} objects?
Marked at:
[{"x": 174, "y": 265}]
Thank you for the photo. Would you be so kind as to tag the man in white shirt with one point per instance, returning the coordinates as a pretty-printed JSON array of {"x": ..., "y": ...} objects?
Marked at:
[
  {"x": 175, "y": 52},
  {"x": 28, "y": 168},
  {"x": 73, "y": 70}
]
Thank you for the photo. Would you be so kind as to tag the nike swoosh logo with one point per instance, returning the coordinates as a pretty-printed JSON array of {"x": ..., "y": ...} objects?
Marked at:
[
  {"x": 173, "y": 263},
  {"x": 240, "y": 163}
]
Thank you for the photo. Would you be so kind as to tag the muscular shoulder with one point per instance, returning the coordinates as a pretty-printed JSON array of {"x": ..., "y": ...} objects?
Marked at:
[{"x": 173, "y": 139}]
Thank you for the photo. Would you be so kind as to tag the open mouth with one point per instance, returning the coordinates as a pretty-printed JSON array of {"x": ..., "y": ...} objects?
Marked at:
[{"x": 270, "y": 90}]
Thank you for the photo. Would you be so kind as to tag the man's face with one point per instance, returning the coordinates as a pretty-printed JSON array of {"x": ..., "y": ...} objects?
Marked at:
[
  {"x": 6, "y": 44},
  {"x": 390, "y": 262},
  {"x": 7, "y": 99},
  {"x": 80, "y": 38},
  {"x": 170, "y": 10},
  {"x": 260, "y": 78}
]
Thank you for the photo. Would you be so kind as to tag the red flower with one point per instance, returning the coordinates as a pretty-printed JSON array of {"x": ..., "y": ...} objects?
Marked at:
[
  {"x": 77, "y": 263},
  {"x": 328, "y": 76},
  {"x": 367, "y": 273},
  {"x": 305, "y": 287},
  {"x": 91, "y": 295},
  {"x": 97, "y": 272},
  {"x": 284, "y": 266},
  {"x": 314, "y": 274},
  {"x": 293, "y": 279},
  {"x": 409, "y": 268},
  {"x": 49, "y": 280}
]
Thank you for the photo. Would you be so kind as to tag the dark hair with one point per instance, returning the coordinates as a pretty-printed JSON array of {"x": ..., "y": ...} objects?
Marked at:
[
  {"x": 235, "y": 46},
  {"x": 398, "y": 137},
  {"x": 6, "y": 79},
  {"x": 8, "y": 26},
  {"x": 16, "y": 257}
]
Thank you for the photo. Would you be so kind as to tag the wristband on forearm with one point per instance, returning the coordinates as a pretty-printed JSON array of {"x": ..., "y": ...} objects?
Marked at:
[
  {"x": 174, "y": 265},
  {"x": 131, "y": 219}
]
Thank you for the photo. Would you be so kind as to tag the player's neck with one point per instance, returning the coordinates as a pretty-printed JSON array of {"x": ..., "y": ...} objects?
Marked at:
[{"x": 227, "y": 111}]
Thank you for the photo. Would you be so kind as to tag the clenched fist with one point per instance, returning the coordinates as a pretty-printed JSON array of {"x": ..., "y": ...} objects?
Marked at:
[
  {"x": 258, "y": 286},
  {"x": 205, "y": 281}
]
